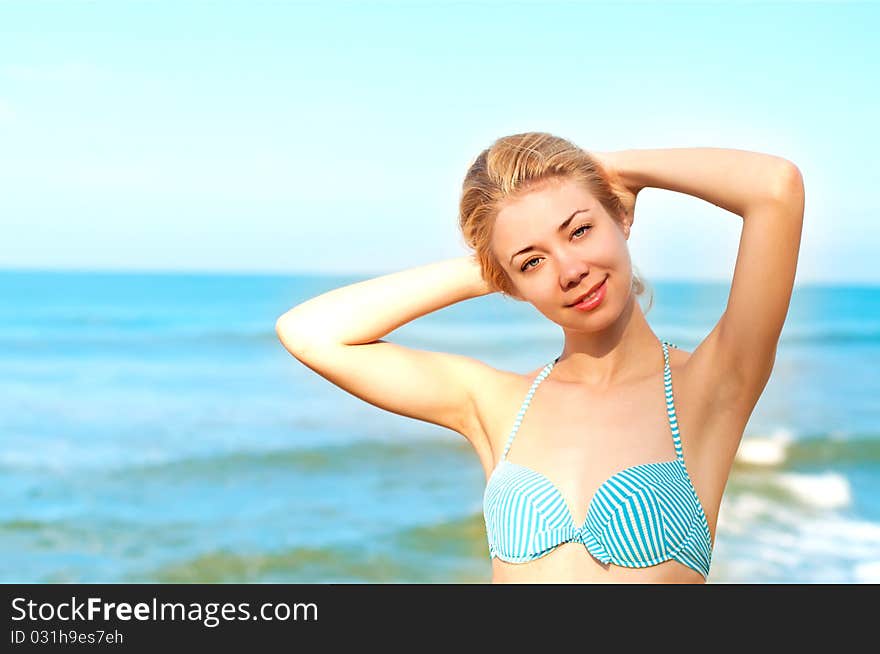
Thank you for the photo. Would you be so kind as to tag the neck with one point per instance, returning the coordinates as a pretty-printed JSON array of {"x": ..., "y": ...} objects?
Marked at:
[{"x": 625, "y": 351}]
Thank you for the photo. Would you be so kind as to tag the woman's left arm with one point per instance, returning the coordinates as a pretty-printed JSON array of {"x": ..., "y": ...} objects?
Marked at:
[{"x": 768, "y": 193}]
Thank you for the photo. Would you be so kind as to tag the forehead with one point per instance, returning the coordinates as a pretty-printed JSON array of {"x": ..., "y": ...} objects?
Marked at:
[{"x": 539, "y": 212}]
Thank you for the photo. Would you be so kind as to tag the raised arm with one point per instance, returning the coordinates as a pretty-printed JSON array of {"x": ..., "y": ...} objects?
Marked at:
[
  {"x": 338, "y": 334},
  {"x": 767, "y": 192}
]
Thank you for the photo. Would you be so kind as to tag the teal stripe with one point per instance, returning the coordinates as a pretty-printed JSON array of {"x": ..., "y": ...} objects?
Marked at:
[{"x": 641, "y": 516}]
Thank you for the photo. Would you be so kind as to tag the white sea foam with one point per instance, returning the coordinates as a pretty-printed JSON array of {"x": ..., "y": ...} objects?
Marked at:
[
  {"x": 828, "y": 490},
  {"x": 805, "y": 541},
  {"x": 778, "y": 551},
  {"x": 765, "y": 451},
  {"x": 839, "y": 538},
  {"x": 737, "y": 513}
]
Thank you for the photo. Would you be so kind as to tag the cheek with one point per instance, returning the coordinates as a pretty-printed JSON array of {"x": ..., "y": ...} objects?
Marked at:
[{"x": 620, "y": 257}]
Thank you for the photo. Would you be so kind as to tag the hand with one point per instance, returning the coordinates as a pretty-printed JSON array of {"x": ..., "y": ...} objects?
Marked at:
[{"x": 626, "y": 191}]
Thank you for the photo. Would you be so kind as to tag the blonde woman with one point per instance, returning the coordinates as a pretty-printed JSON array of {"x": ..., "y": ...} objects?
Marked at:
[{"x": 596, "y": 470}]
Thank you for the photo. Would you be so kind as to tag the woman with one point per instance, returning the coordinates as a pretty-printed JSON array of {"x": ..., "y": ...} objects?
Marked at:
[{"x": 606, "y": 475}]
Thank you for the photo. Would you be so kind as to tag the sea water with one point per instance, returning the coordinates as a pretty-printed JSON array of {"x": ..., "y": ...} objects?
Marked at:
[{"x": 154, "y": 429}]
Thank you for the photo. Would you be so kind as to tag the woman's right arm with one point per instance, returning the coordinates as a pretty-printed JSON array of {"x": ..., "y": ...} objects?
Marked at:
[{"x": 338, "y": 335}]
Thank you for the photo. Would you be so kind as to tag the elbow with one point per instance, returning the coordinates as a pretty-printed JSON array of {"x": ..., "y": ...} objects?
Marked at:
[
  {"x": 286, "y": 323},
  {"x": 288, "y": 335},
  {"x": 788, "y": 186},
  {"x": 297, "y": 337},
  {"x": 279, "y": 326}
]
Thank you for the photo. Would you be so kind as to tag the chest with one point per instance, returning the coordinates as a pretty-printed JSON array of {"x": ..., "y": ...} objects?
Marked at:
[{"x": 578, "y": 441}]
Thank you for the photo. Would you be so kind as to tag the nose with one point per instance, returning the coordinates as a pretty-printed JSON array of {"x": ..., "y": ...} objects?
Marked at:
[{"x": 572, "y": 271}]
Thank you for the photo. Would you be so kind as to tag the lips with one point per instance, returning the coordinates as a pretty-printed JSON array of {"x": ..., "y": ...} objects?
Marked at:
[{"x": 581, "y": 297}]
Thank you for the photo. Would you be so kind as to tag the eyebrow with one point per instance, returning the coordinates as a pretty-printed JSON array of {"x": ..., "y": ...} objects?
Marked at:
[{"x": 558, "y": 229}]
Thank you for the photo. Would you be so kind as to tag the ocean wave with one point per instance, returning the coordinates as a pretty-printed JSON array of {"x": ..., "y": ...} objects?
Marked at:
[
  {"x": 769, "y": 450},
  {"x": 776, "y": 451},
  {"x": 326, "y": 459},
  {"x": 464, "y": 536},
  {"x": 828, "y": 490},
  {"x": 354, "y": 562},
  {"x": 781, "y": 449},
  {"x": 763, "y": 538}
]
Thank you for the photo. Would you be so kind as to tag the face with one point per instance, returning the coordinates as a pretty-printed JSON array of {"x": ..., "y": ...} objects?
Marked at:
[{"x": 565, "y": 263}]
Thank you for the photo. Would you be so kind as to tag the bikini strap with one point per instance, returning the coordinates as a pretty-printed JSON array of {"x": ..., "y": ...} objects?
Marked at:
[
  {"x": 670, "y": 402},
  {"x": 525, "y": 405}
]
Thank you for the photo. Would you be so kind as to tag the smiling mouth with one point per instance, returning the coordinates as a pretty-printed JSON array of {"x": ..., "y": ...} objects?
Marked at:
[{"x": 592, "y": 291}]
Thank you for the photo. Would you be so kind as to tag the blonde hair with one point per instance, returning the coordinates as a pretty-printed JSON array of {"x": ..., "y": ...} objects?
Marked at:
[{"x": 513, "y": 166}]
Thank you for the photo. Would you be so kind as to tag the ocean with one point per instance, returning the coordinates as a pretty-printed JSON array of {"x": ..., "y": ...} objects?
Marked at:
[{"x": 154, "y": 429}]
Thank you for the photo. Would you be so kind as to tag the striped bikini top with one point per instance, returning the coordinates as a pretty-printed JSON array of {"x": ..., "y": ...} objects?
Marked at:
[{"x": 639, "y": 517}]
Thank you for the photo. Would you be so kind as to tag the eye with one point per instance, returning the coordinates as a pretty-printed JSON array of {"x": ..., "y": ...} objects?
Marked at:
[
  {"x": 526, "y": 265},
  {"x": 580, "y": 228}
]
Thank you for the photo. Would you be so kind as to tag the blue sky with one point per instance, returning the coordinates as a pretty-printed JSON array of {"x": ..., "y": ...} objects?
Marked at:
[{"x": 333, "y": 137}]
